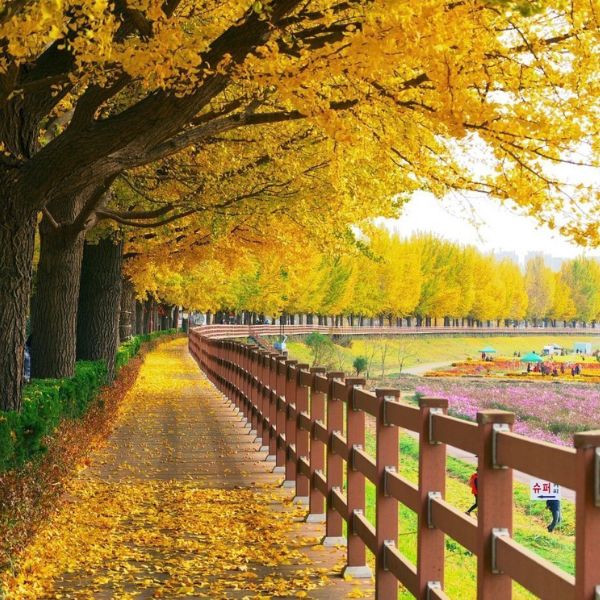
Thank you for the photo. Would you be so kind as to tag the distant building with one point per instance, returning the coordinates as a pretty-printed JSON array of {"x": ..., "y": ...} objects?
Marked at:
[
  {"x": 554, "y": 262},
  {"x": 508, "y": 254}
]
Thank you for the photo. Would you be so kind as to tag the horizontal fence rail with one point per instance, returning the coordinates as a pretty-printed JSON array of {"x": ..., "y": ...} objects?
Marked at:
[
  {"x": 239, "y": 331},
  {"x": 312, "y": 423}
]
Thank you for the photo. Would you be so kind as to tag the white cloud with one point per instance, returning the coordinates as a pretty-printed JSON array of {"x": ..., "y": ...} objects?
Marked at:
[{"x": 483, "y": 222}]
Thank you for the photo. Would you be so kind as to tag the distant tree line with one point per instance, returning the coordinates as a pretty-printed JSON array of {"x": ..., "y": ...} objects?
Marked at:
[{"x": 422, "y": 279}]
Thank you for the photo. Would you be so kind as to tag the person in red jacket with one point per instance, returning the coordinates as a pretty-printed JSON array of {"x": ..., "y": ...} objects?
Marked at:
[{"x": 474, "y": 490}]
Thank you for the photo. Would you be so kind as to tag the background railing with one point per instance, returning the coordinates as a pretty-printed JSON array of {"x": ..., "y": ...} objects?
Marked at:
[
  {"x": 239, "y": 331},
  {"x": 298, "y": 414}
]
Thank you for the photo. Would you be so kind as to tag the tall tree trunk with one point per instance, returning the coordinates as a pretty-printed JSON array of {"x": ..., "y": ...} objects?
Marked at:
[
  {"x": 148, "y": 310},
  {"x": 54, "y": 318},
  {"x": 176, "y": 317},
  {"x": 127, "y": 317},
  {"x": 99, "y": 303},
  {"x": 139, "y": 318},
  {"x": 17, "y": 233},
  {"x": 165, "y": 318}
]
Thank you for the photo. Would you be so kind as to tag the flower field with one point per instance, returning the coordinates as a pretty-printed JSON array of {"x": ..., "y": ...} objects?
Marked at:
[
  {"x": 550, "y": 411},
  {"x": 512, "y": 367}
]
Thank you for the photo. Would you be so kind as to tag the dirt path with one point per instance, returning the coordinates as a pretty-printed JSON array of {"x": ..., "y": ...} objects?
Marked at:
[
  {"x": 180, "y": 503},
  {"x": 422, "y": 368}
]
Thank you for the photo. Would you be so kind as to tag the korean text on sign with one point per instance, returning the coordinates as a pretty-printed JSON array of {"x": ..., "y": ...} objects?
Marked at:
[{"x": 544, "y": 490}]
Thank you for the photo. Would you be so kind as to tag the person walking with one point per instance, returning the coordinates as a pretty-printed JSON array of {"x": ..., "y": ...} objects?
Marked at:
[
  {"x": 554, "y": 507},
  {"x": 474, "y": 491}
]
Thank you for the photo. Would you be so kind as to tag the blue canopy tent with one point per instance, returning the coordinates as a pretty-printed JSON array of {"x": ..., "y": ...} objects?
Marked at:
[
  {"x": 487, "y": 350},
  {"x": 532, "y": 357}
]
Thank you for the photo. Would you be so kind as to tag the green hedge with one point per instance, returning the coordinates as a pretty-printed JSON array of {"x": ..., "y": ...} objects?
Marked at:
[{"x": 47, "y": 401}]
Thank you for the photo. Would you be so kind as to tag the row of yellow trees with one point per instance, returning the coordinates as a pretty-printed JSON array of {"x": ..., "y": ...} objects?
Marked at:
[{"x": 423, "y": 276}]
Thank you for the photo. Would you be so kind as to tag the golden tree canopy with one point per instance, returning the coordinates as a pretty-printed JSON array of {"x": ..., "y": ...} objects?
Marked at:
[{"x": 473, "y": 95}]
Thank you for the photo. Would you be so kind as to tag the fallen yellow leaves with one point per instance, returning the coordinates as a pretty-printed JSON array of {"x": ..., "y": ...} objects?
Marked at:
[{"x": 135, "y": 523}]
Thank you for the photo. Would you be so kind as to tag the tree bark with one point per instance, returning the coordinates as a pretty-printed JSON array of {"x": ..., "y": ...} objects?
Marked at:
[
  {"x": 54, "y": 319},
  {"x": 99, "y": 303},
  {"x": 127, "y": 317},
  {"x": 176, "y": 317},
  {"x": 139, "y": 318},
  {"x": 17, "y": 233},
  {"x": 148, "y": 309}
]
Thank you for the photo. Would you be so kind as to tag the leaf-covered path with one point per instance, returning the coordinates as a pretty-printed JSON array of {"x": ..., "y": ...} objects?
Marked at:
[{"x": 179, "y": 503}]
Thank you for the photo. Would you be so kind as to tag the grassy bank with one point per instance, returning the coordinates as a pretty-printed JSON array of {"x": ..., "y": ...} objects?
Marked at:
[{"x": 386, "y": 355}]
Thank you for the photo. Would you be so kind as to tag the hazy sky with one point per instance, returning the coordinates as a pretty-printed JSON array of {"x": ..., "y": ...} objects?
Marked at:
[{"x": 482, "y": 222}]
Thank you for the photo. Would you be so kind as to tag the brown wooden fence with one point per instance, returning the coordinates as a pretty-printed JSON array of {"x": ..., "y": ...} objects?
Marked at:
[
  {"x": 299, "y": 415},
  {"x": 238, "y": 331}
]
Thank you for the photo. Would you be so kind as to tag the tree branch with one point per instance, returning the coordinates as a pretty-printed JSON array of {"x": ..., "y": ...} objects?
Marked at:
[
  {"x": 105, "y": 215},
  {"x": 203, "y": 132},
  {"x": 50, "y": 218},
  {"x": 141, "y": 214},
  {"x": 85, "y": 219}
]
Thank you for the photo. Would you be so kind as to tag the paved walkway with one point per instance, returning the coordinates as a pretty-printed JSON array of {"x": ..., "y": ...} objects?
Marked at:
[{"x": 180, "y": 503}]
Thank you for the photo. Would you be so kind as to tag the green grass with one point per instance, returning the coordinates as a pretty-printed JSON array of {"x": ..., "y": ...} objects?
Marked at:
[
  {"x": 530, "y": 521},
  {"x": 386, "y": 354}
]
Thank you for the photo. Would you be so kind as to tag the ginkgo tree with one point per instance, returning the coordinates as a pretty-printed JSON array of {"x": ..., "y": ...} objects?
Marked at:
[
  {"x": 91, "y": 90},
  {"x": 385, "y": 279}
]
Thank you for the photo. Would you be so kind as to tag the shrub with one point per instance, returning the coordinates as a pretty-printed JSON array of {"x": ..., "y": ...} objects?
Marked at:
[
  {"x": 321, "y": 348},
  {"x": 45, "y": 403},
  {"x": 360, "y": 364}
]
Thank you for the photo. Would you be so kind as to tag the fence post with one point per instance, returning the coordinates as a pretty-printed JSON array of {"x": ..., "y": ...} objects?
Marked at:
[
  {"x": 335, "y": 464},
  {"x": 302, "y": 437},
  {"x": 386, "y": 524},
  {"x": 280, "y": 412},
  {"x": 432, "y": 480},
  {"x": 291, "y": 377},
  {"x": 587, "y": 515},
  {"x": 245, "y": 350},
  {"x": 253, "y": 371},
  {"x": 231, "y": 376},
  {"x": 263, "y": 402},
  {"x": 355, "y": 436},
  {"x": 248, "y": 385},
  {"x": 234, "y": 357},
  {"x": 272, "y": 396},
  {"x": 316, "y": 512},
  {"x": 495, "y": 500}
]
